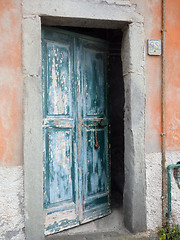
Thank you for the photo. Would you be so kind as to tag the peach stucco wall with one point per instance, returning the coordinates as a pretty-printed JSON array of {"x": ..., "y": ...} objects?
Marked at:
[
  {"x": 10, "y": 83},
  {"x": 173, "y": 75},
  {"x": 151, "y": 10},
  {"x": 152, "y": 16}
]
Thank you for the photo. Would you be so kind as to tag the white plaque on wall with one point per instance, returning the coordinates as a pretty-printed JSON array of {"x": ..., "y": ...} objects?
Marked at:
[{"x": 154, "y": 47}]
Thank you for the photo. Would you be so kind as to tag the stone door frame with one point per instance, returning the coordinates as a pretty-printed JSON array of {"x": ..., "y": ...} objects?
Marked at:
[{"x": 101, "y": 14}]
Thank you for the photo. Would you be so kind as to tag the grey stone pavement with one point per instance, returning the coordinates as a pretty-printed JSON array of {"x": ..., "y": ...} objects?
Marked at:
[{"x": 103, "y": 236}]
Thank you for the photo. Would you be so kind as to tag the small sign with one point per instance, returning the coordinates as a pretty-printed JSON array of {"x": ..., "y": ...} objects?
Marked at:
[{"x": 154, "y": 47}]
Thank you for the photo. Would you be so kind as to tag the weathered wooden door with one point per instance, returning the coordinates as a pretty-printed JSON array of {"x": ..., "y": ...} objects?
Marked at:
[{"x": 75, "y": 126}]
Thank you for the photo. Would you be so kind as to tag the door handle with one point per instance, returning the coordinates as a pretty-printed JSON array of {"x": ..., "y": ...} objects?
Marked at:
[
  {"x": 96, "y": 145},
  {"x": 102, "y": 123}
]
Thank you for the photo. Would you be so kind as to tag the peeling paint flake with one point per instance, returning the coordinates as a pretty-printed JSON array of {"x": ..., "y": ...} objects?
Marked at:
[{"x": 58, "y": 84}]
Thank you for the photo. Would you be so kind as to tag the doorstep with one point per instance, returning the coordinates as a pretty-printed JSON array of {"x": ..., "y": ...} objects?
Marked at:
[{"x": 104, "y": 236}]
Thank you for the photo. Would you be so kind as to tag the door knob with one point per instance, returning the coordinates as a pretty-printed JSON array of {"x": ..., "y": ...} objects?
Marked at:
[
  {"x": 96, "y": 145},
  {"x": 102, "y": 123}
]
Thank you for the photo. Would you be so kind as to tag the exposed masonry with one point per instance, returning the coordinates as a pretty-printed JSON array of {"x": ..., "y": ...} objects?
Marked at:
[
  {"x": 11, "y": 203},
  {"x": 99, "y": 14}
]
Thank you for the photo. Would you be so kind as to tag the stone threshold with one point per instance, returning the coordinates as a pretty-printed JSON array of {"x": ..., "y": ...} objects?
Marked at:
[{"x": 105, "y": 236}]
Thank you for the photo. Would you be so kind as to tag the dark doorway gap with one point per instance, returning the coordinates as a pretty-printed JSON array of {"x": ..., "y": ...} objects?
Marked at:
[{"x": 116, "y": 102}]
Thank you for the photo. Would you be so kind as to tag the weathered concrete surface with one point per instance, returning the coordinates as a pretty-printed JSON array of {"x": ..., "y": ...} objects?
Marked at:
[
  {"x": 33, "y": 151},
  {"x": 32, "y": 46},
  {"x": 73, "y": 9},
  {"x": 33, "y": 178},
  {"x": 154, "y": 189},
  {"x": 134, "y": 121},
  {"x": 11, "y": 203},
  {"x": 104, "y": 236}
]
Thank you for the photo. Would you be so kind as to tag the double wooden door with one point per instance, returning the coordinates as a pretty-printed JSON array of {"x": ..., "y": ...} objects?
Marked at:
[{"x": 75, "y": 129}]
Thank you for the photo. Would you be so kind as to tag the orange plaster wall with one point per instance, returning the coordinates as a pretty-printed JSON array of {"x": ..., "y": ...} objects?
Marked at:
[
  {"x": 151, "y": 10},
  {"x": 172, "y": 79},
  {"x": 10, "y": 83},
  {"x": 173, "y": 75},
  {"x": 152, "y": 14}
]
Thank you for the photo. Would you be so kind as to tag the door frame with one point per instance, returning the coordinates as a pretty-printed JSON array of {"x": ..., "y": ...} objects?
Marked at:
[{"x": 125, "y": 18}]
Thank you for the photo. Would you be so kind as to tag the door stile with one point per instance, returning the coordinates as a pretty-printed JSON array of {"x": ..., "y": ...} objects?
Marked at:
[
  {"x": 95, "y": 204},
  {"x": 79, "y": 124},
  {"x": 45, "y": 154},
  {"x": 59, "y": 131},
  {"x": 75, "y": 140}
]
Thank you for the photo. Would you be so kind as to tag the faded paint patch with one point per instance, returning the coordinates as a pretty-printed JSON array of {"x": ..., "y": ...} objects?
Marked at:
[
  {"x": 10, "y": 83},
  {"x": 58, "y": 79},
  {"x": 57, "y": 220},
  {"x": 10, "y": 118},
  {"x": 11, "y": 203}
]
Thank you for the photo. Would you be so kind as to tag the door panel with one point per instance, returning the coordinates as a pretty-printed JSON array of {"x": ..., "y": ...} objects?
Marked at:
[
  {"x": 96, "y": 202},
  {"x": 59, "y": 200},
  {"x": 96, "y": 169},
  {"x": 94, "y": 82},
  {"x": 60, "y": 159},
  {"x": 75, "y": 117},
  {"x": 58, "y": 81},
  {"x": 59, "y": 165},
  {"x": 96, "y": 179}
]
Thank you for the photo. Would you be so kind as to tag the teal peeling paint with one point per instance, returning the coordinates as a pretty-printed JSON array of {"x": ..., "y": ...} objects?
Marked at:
[{"x": 75, "y": 105}]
